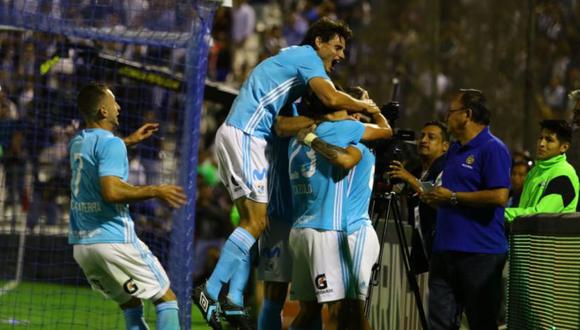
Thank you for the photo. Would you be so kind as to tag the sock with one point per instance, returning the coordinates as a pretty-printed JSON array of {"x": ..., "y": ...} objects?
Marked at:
[
  {"x": 270, "y": 315},
  {"x": 167, "y": 315},
  {"x": 236, "y": 247},
  {"x": 239, "y": 281},
  {"x": 134, "y": 318}
]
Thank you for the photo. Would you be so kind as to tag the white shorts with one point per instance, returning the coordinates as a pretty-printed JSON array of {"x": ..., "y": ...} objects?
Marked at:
[
  {"x": 121, "y": 271},
  {"x": 320, "y": 265},
  {"x": 275, "y": 262},
  {"x": 242, "y": 163},
  {"x": 364, "y": 249}
]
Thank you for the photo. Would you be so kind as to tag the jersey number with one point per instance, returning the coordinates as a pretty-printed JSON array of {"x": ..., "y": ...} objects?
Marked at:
[
  {"x": 77, "y": 170},
  {"x": 307, "y": 170}
]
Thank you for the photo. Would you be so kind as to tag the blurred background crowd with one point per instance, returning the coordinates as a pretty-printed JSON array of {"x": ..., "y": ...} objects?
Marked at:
[{"x": 525, "y": 55}]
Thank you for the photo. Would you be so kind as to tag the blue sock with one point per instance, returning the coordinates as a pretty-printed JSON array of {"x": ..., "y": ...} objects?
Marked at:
[
  {"x": 270, "y": 315},
  {"x": 239, "y": 281},
  {"x": 167, "y": 315},
  {"x": 134, "y": 318},
  {"x": 235, "y": 249}
]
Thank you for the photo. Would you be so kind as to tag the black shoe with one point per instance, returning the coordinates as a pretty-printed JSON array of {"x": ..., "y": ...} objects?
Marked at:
[
  {"x": 238, "y": 317},
  {"x": 209, "y": 308}
]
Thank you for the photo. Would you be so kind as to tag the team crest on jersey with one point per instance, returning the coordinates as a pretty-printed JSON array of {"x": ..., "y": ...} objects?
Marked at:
[{"x": 470, "y": 160}]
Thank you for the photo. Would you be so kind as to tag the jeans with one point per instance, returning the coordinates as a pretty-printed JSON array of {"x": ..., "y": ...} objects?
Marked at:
[{"x": 470, "y": 281}]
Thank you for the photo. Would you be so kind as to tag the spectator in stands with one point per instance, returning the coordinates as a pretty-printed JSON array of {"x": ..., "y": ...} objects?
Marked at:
[
  {"x": 8, "y": 110},
  {"x": 574, "y": 154},
  {"x": 552, "y": 184},
  {"x": 518, "y": 174},
  {"x": 245, "y": 42},
  {"x": 15, "y": 161},
  {"x": 470, "y": 247}
]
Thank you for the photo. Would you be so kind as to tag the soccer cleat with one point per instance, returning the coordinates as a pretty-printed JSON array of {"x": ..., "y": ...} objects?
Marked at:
[
  {"x": 237, "y": 316},
  {"x": 209, "y": 308}
]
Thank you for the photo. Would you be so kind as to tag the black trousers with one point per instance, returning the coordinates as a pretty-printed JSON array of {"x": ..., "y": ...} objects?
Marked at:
[{"x": 469, "y": 281}]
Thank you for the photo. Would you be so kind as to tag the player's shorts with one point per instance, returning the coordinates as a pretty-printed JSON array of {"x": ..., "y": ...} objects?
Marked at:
[
  {"x": 364, "y": 251},
  {"x": 320, "y": 265},
  {"x": 242, "y": 163},
  {"x": 275, "y": 262},
  {"x": 121, "y": 271}
]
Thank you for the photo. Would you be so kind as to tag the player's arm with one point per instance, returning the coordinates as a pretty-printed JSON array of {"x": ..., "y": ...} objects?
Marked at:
[
  {"x": 289, "y": 126},
  {"x": 115, "y": 190},
  {"x": 483, "y": 198},
  {"x": 345, "y": 158},
  {"x": 141, "y": 134},
  {"x": 378, "y": 130},
  {"x": 335, "y": 99}
]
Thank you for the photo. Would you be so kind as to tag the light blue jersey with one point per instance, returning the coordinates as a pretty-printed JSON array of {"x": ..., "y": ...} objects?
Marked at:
[
  {"x": 95, "y": 153},
  {"x": 279, "y": 190},
  {"x": 360, "y": 187},
  {"x": 276, "y": 81},
  {"x": 319, "y": 189}
]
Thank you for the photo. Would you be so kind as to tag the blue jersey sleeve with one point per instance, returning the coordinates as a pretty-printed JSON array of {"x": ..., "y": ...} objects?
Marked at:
[
  {"x": 112, "y": 157},
  {"x": 496, "y": 167},
  {"x": 310, "y": 66}
]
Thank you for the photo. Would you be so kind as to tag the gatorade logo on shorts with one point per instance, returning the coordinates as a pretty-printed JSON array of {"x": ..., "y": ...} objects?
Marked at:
[
  {"x": 130, "y": 286},
  {"x": 320, "y": 282}
]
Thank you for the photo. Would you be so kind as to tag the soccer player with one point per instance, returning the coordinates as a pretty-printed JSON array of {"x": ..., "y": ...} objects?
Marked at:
[
  {"x": 363, "y": 245},
  {"x": 106, "y": 247},
  {"x": 241, "y": 148}
]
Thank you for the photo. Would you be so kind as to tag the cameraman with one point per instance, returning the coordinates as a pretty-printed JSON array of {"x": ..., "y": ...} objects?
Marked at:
[{"x": 431, "y": 146}]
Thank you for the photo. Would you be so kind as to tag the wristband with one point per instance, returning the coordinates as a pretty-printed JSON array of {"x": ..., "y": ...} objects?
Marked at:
[{"x": 309, "y": 138}]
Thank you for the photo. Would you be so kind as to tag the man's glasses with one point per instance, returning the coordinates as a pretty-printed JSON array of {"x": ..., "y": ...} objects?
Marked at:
[{"x": 450, "y": 111}]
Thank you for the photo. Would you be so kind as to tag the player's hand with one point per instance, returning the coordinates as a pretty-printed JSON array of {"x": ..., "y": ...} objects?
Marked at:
[
  {"x": 370, "y": 107},
  {"x": 397, "y": 170},
  {"x": 437, "y": 196},
  {"x": 172, "y": 195},
  {"x": 141, "y": 133},
  {"x": 303, "y": 132}
]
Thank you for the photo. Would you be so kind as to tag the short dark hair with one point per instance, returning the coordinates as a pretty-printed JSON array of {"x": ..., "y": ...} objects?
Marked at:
[
  {"x": 312, "y": 106},
  {"x": 356, "y": 92},
  {"x": 90, "y": 98},
  {"x": 474, "y": 100},
  {"x": 560, "y": 127},
  {"x": 442, "y": 127},
  {"x": 326, "y": 29}
]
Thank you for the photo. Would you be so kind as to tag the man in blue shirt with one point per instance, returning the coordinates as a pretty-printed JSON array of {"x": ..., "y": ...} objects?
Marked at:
[
  {"x": 241, "y": 149},
  {"x": 470, "y": 246},
  {"x": 106, "y": 246}
]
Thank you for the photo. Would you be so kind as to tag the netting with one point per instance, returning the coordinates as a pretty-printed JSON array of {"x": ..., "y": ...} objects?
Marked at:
[{"x": 153, "y": 55}]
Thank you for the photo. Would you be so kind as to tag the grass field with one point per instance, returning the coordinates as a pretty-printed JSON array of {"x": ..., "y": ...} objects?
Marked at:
[{"x": 52, "y": 306}]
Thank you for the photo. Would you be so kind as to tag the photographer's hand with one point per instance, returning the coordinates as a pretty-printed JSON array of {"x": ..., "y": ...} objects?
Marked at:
[{"x": 398, "y": 171}]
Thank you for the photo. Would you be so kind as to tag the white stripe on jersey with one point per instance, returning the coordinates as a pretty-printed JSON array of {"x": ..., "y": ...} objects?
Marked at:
[
  {"x": 338, "y": 196},
  {"x": 350, "y": 179},
  {"x": 267, "y": 99}
]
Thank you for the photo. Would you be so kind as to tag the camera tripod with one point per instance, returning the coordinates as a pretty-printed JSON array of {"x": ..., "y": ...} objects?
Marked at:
[{"x": 382, "y": 206}]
